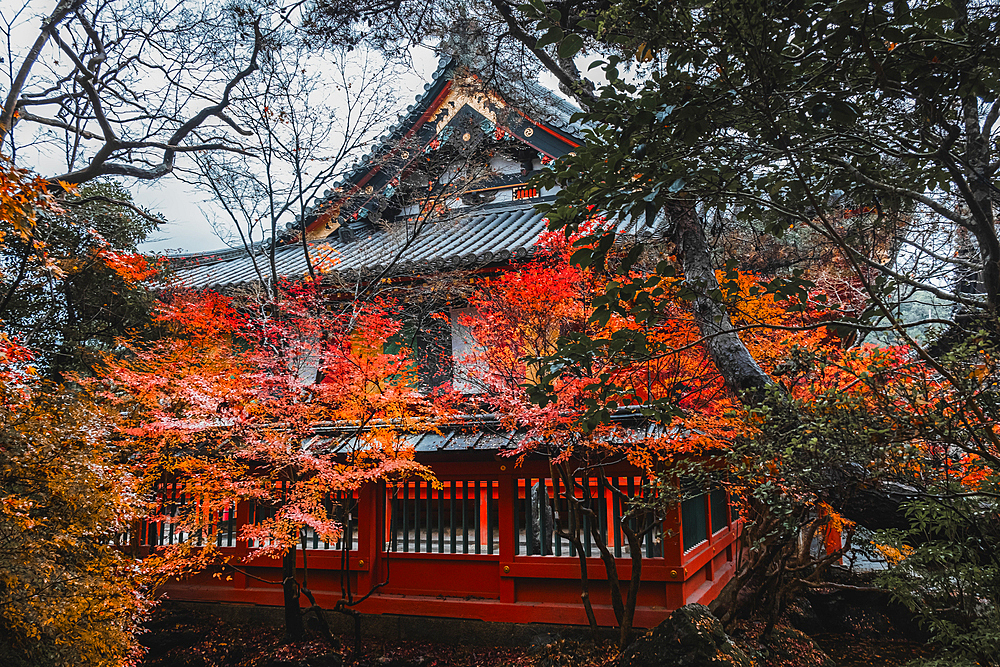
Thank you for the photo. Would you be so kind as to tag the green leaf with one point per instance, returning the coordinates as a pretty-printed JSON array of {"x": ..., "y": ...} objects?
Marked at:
[
  {"x": 551, "y": 37},
  {"x": 570, "y": 46},
  {"x": 582, "y": 258},
  {"x": 666, "y": 269},
  {"x": 630, "y": 258}
]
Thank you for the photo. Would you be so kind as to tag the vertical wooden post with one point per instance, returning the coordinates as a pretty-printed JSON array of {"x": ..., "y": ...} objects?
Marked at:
[
  {"x": 483, "y": 509},
  {"x": 388, "y": 513},
  {"x": 506, "y": 497},
  {"x": 612, "y": 520},
  {"x": 242, "y": 546},
  {"x": 673, "y": 556},
  {"x": 368, "y": 536}
]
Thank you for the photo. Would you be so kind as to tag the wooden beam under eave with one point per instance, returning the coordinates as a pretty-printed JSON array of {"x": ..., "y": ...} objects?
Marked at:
[{"x": 325, "y": 224}]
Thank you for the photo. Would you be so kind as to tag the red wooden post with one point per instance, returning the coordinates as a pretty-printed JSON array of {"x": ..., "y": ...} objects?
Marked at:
[
  {"x": 388, "y": 513},
  {"x": 368, "y": 535},
  {"x": 609, "y": 500},
  {"x": 507, "y": 496},
  {"x": 483, "y": 498},
  {"x": 673, "y": 556}
]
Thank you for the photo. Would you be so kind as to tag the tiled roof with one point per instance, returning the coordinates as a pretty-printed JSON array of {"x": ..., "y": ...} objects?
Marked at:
[
  {"x": 480, "y": 432},
  {"x": 472, "y": 237},
  {"x": 525, "y": 93},
  {"x": 551, "y": 108},
  {"x": 393, "y": 135}
]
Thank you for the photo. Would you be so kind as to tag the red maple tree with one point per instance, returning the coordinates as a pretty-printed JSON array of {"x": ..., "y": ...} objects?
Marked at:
[{"x": 227, "y": 402}]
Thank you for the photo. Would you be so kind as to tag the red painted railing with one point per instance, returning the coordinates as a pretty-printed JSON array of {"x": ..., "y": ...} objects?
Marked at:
[{"x": 478, "y": 545}]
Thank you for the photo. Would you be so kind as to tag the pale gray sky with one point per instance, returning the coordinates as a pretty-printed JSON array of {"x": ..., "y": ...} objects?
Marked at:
[{"x": 189, "y": 211}]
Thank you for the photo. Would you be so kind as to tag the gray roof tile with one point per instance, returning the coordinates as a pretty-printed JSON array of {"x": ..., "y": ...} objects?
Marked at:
[{"x": 475, "y": 237}]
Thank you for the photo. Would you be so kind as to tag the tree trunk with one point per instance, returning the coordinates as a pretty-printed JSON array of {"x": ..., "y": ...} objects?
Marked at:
[
  {"x": 980, "y": 200},
  {"x": 977, "y": 170},
  {"x": 734, "y": 362},
  {"x": 635, "y": 552},
  {"x": 610, "y": 564},
  {"x": 294, "y": 627},
  {"x": 572, "y": 533},
  {"x": 49, "y": 25}
]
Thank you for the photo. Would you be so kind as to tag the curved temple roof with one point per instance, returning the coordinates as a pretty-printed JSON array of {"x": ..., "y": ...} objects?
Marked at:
[
  {"x": 472, "y": 237},
  {"x": 465, "y": 237}
]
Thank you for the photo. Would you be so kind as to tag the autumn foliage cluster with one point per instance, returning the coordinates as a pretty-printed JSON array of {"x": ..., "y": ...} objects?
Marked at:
[
  {"x": 227, "y": 395},
  {"x": 792, "y": 458},
  {"x": 68, "y": 593},
  {"x": 228, "y": 399}
]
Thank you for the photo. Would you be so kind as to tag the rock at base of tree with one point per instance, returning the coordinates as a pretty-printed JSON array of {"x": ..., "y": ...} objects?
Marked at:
[
  {"x": 788, "y": 646},
  {"x": 690, "y": 637}
]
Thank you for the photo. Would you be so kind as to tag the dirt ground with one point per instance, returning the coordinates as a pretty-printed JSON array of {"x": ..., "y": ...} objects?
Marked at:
[{"x": 184, "y": 638}]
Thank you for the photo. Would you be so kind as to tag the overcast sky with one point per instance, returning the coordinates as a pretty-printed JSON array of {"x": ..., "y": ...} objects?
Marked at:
[{"x": 190, "y": 212}]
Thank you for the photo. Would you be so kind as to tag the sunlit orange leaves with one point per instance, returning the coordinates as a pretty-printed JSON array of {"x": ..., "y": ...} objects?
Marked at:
[
  {"x": 22, "y": 194},
  {"x": 282, "y": 402}
]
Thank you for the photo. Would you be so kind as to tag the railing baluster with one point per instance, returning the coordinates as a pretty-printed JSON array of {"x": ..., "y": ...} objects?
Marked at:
[
  {"x": 517, "y": 519},
  {"x": 555, "y": 522},
  {"x": 465, "y": 527},
  {"x": 489, "y": 516},
  {"x": 451, "y": 515},
  {"x": 416, "y": 517},
  {"x": 633, "y": 519},
  {"x": 529, "y": 519},
  {"x": 315, "y": 533},
  {"x": 617, "y": 510},
  {"x": 430, "y": 531},
  {"x": 440, "y": 522},
  {"x": 329, "y": 507},
  {"x": 477, "y": 514},
  {"x": 352, "y": 520},
  {"x": 231, "y": 525},
  {"x": 543, "y": 497},
  {"x": 393, "y": 521},
  {"x": 585, "y": 519},
  {"x": 602, "y": 511},
  {"x": 649, "y": 542},
  {"x": 154, "y": 530},
  {"x": 406, "y": 528},
  {"x": 173, "y": 510}
]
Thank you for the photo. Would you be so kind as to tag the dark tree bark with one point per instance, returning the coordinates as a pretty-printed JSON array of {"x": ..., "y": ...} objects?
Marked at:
[
  {"x": 99, "y": 90},
  {"x": 294, "y": 627},
  {"x": 49, "y": 25},
  {"x": 734, "y": 362}
]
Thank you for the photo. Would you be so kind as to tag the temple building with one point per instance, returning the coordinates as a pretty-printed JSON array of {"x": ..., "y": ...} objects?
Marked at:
[{"x": 446, "y": 192}]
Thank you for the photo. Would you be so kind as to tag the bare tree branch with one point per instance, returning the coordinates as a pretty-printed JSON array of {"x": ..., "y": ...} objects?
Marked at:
[{"x": 48, "y": 28}]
